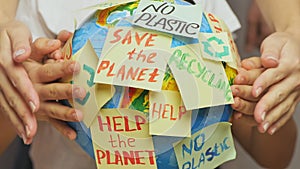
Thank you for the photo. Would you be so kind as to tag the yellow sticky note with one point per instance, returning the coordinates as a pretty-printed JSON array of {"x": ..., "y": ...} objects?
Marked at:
[
  {"x": 215, "y": 46},
  {"x": 103, "y": 93},
  {"x": 202, "y": 83},
  {"x": 87, "y": 59},
  {"x": 167, "y": 114},
  {"x": 183, "y": 20},
  {"x": 218, "y": 26},
  {"x": 208, "y": 148},
  {"x": 121, "y": 140},
  {"x": 133, "y": 57}
]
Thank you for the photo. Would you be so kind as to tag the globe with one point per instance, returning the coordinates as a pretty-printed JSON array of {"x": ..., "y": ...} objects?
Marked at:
[{"x": 95, "y": 30}]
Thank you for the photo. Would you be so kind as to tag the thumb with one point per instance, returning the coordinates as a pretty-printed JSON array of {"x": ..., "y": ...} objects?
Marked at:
[
  {"x": 20, "y": 38},
  {"x": 271, "y": 50}
]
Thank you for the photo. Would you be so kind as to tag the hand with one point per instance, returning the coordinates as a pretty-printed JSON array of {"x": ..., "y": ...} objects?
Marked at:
[
  {"x": 281, "y": 83},
  {"x": 18, "y": 98},
  {"x": 44, "y": 77},
  {"x": 279, "y": 114},
  {"x": 22, "y": 120},
  {"x": 244, "y": 102}
]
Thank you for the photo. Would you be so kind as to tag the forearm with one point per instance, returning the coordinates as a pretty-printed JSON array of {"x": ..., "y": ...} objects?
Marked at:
[
  {"x": 287, "y": 17},
  {"x": 7, "y": 133},
  {"x": 271, "y": 151},
  {"x": 7, "y": 10}
]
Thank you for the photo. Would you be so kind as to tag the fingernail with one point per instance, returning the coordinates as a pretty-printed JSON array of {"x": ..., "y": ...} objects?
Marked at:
[
  {"x": 235, "y": 91},
  {"x": 74, "y": 67},
  {"x": 70, "y": 135},
  {"x": 266, "y": 126},
  {"x": 250, "y": 64},
  {"x": 20, "y": 135},
  {"x": 51, "y": 42},
  {"x": 240, "y": 79},
  {"x": 77, "y": 115},
  {"x": 19, "y": 52},
  {"x": 272, "y": 58},
  {"x": 237, "y": 102},
  {"x": 13, "y": 83},
  {"x": 32, "y": 106},
  {"x": 238, "y": 116},
  {"x": 272, "y": 131},
  {"x": 58, "y": 55},
  {"x": 263, "y": 116},
  {"x": 79, "y": 92},
  {"x": 24, "y": 139},
  {"x": 258, "y": 91},
  {"x": 27, "y": 128}
]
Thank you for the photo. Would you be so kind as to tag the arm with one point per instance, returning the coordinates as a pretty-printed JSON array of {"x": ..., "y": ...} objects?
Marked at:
[
  {"x": 8, "y": 11},
  {"x": 267, "y": 150},
  {"x": 280, "y": 53},
  {"x": 280, "y": 20},
  {"x": 7, "y": 133}
]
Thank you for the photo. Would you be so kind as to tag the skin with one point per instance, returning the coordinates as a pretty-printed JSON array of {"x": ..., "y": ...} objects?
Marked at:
[
  {"x": 257, "y": 28},
  {"x": 43, "y": 76},
  {"x": 17, "y": 90},
  {"x": 277, "y": 88},
  {"x": 265, "y": 149}
]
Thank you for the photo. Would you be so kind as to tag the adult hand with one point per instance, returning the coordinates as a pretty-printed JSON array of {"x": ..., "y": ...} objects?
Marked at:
[
  {"x": 17, "y": 92},
  {"x": 15, "y": 107},
  {"x": 280, "y": 49}
]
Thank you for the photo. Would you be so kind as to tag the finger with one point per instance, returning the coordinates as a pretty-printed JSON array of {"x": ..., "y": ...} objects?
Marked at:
[
  {"x": 247, "y": 77},
  {"x": 281, "y": 122},
  {"x": 60, "y": 91},
  {"x": 269, "y": 77},
  {"x": 271, "y": 50},
  {"x": 42, "y": 47},
  {"x": 63, "y": 128},
  {"x": 64, "y": 36},
  {"x": 56, "y": 55},
  {"x": 246, "y": 119},
  {"x": 13, "y": 118},
  {"x": 237, "y": 115},
  {"x": 251, "y": 63},
  {"x": 20, "y": 38},
  {"x": 53, "y": 71},
  {"x": 275, "y": 95},
  {"x": 243, "y": 106},
  {"x": 61, "y": 112},
  {"x": 278, "y": 112},
  {"x": 17, "y": 104},
  {"x": 17, "y": 75},
  {"x": 243, "y": 92}
]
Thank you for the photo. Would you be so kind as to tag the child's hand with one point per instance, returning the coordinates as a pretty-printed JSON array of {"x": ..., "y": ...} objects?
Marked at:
[
  {"x": 244, "y": 102},
  {"x": 43, "y": 78}
]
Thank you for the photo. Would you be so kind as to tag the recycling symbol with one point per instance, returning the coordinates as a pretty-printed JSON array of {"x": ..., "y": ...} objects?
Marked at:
[{"x": 209, "y": 49}]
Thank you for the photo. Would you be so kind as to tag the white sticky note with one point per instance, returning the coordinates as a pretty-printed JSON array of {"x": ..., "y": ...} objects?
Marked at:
[{"x": 184, "y": 20}]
